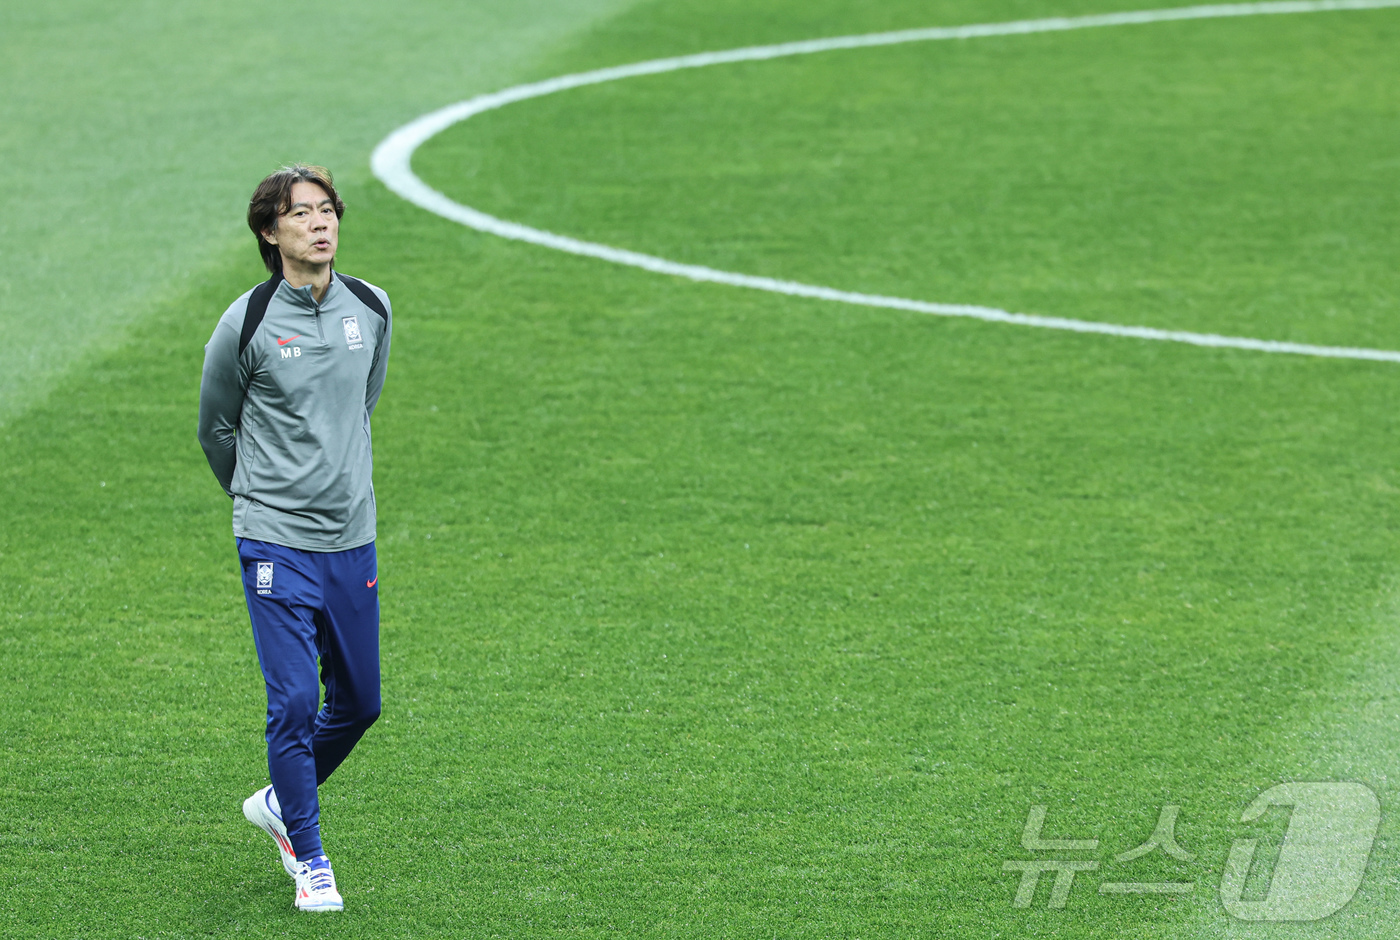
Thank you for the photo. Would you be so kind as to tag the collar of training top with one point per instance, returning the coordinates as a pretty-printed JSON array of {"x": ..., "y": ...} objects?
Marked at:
[{"x": 304, "y": 296}]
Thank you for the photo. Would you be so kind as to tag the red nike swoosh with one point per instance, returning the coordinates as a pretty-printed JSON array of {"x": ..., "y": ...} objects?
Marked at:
[
  {"x": 372, "y": 583},
  {"x": 283, "y": 342}
]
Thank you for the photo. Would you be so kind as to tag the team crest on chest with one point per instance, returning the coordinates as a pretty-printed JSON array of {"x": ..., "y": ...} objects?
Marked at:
[
  {"x": 264, "y": 577},
  {"x": 352, "y": 332}
]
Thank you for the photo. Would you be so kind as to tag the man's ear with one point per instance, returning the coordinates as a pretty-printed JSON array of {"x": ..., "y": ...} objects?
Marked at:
[{"x": 270, "y": 236}]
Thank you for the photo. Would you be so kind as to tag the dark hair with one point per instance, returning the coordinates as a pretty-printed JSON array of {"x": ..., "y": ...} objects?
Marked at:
[{"x": 274, "y": 197}]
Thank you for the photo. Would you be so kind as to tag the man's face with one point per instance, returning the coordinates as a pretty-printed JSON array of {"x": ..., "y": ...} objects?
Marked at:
[{"x": 307, "y": 233}]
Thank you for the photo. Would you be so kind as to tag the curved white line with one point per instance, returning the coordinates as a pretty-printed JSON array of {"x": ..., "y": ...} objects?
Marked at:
[{"x": 391, "y": 164}]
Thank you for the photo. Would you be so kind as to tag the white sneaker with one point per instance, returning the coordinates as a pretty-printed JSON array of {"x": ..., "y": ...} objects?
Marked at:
[
  {"x": 262, "y": 810},
  {"x": 316, "y": 886}
]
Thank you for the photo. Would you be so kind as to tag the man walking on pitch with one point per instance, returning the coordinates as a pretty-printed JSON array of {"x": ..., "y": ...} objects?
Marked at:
[{"x": 291, "y": 377}]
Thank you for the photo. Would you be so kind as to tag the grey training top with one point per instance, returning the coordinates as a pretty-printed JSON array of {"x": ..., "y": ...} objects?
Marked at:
[{"x": 284, "y": 407}]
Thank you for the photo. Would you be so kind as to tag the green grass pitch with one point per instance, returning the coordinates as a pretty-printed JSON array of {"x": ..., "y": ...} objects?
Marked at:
[{"x": 713, "y": 613}]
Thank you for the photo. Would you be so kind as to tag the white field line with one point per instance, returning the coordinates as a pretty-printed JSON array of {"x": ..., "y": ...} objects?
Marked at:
[{"x": 392, "y": 158}]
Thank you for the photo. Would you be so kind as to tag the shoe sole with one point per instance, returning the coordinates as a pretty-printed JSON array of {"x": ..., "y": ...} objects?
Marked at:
[
  {"x": 256, "y": 812},
  {"x": 321, "y": 907}
]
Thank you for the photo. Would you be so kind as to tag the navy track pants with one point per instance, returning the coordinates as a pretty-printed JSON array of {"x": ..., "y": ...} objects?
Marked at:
[{"x": 309, "y": 606}]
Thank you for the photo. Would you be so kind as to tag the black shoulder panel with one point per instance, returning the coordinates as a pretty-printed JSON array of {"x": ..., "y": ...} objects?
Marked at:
[
  {"x": 257, "y": 309},
  {"x": 367, "y": 297}
]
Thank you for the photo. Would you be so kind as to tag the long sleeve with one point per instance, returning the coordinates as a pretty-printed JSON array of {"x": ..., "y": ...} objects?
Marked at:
[
  {"x": 377, "y": 371},
  {"x": 222, "y": 388}
]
